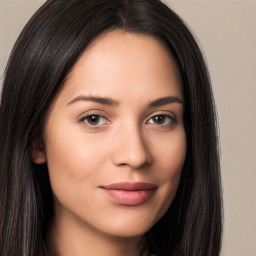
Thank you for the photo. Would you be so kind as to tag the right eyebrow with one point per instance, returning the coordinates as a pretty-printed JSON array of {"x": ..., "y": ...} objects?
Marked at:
[
  {"x": 97, "y": 99},
  {"x": 166, "y": 100}
]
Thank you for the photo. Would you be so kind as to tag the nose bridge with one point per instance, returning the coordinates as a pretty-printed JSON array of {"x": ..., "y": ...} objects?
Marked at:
[{"x": 131, "y": 147}]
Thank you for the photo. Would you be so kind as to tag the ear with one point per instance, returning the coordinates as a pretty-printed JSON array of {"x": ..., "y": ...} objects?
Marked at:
[{"x": 37, "y": 152}]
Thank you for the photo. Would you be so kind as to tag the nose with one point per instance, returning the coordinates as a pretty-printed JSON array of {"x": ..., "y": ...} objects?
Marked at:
[{"x": 130, "y": 149}]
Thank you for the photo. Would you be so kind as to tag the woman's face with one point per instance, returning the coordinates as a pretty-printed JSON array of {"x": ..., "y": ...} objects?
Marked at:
[{"x": 114, "y": 138}]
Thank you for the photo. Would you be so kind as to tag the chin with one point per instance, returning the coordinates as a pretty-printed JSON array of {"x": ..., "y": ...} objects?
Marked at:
[{"x": 127, "y": 225}]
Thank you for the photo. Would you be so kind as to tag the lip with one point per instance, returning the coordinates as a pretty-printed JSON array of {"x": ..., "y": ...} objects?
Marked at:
[{"x": 130, "y": 193}]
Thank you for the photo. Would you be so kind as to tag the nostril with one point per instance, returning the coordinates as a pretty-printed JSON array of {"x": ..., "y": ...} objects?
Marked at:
[{"x": 131, "y": 150}]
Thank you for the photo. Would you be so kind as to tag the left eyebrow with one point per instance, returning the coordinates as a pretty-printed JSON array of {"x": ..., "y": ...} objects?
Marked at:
[
  {"x": 165, "y": 100},
  {"x": 97, "y": 99}
]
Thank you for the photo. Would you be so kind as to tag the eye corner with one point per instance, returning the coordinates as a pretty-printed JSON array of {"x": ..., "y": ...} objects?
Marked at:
[
  {"x": 162, "y": 119},
  {"x": 94, "y": 121}
]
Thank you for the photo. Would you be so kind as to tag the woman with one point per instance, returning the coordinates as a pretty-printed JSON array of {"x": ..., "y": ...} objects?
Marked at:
[{"x": 108, "y": 135}]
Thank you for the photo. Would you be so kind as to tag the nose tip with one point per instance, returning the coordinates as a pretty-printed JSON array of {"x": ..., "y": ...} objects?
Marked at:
[
  {"x": 135, "y": 160},
  {"x": 131, "y": 151}
]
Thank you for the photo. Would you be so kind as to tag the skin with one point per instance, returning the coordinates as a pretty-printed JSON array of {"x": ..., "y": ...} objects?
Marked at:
[{"x": 125, "y": 143}]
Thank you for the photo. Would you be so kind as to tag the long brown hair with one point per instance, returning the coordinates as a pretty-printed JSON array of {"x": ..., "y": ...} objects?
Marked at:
[{"x": 43, "y": 56}]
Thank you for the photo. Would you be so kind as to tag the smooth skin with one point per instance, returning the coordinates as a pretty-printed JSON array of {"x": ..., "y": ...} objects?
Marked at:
[{"x": 118, "y": 118}]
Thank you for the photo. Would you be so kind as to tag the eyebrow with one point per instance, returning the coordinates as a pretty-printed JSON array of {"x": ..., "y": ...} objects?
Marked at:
[
  {"x": 165, "y": 100},
  {"x": 111, "y": 102},
  {"x": 97, "y": 99}
]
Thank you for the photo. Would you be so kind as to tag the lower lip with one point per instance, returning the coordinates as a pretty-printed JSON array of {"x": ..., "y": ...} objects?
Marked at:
[{"x": 129, "y": 197}]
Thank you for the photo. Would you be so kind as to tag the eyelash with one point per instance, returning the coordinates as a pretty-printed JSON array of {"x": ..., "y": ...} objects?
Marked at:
[
  {"x": 94, "y": 126},
  {"x": 104, "y": 121},
  {"x": 172, "y": 120}
]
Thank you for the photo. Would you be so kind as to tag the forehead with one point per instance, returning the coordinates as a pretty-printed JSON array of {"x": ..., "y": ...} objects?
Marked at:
[{"x": 120, "y": 61}]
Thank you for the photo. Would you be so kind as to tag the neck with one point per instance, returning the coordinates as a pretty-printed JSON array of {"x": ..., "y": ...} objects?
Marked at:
[{"x": 71, "y": 236}]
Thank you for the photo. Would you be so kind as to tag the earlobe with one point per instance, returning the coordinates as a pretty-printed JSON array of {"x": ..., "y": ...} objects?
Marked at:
[{"x": 37, "y": 152}]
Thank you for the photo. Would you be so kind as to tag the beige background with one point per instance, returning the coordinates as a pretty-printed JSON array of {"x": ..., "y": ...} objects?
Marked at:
[{"x": 226, "y": 31}]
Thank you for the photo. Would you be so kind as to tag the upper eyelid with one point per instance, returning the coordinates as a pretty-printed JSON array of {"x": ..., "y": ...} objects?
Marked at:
[
  {"x": 174, "y": 119},
  {"x": 171, "y": 116},
  {"x": 87, "y": 116},
  {"x": 162, "y": 112},
  {"x": 91, "y": 126},
  {"x": 97, "y": 112}
]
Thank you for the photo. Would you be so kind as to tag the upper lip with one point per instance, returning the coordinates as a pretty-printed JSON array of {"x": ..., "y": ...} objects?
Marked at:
[{"x": 130, "y": 186}]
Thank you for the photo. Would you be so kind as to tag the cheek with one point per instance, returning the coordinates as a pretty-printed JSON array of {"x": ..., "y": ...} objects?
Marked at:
[
  {"x": 169, "y": 157},
  {"x": 73, "y": 161},
  {"x": 170, "y": 154}
]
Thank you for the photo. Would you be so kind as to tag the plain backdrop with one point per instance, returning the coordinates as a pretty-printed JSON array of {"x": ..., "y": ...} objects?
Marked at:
[{"x": 226, "y": 33}]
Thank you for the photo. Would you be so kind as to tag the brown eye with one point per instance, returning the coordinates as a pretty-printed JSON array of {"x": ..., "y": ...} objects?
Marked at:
[
  {"x": 95, "y": 120},
  {"x": 161, "y": 120}
]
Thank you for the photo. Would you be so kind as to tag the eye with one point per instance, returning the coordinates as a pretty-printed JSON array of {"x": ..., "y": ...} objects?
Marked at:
[
  {"x": 161, "y": 120},
  {"x": 94, "y": 120}
]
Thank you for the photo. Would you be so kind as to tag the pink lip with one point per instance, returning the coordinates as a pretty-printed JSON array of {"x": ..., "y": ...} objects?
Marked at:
[{"x": 127, "y": 193}]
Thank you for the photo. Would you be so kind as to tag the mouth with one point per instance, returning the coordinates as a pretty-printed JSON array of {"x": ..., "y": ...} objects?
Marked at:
[{"x": 129, "y": 193}]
